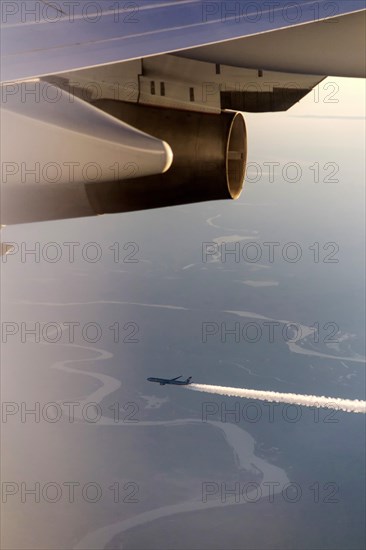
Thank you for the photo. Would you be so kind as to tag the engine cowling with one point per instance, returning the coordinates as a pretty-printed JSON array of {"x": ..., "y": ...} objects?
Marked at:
[{"x": 209, "y": 158}]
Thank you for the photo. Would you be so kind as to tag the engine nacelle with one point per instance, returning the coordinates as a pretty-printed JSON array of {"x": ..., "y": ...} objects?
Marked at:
[{"x": 209, "y": 158}]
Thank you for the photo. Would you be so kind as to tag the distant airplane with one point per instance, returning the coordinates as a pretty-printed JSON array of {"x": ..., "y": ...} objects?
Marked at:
[{"x": 174, "y": 381}]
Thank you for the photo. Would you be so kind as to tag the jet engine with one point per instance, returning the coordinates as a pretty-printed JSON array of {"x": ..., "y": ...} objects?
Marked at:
[
  {"x": 209, "y": 158},
  {"x": 168, "y": 157}
]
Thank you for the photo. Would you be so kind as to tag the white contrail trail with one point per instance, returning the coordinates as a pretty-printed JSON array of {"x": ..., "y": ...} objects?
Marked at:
[{"x": 336, "y": 403}]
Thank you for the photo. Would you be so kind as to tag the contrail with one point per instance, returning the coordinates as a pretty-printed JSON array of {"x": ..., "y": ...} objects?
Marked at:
[{"x": 336, "y": 403}]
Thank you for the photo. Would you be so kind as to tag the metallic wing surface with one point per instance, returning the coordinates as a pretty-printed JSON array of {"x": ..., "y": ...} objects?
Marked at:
[{"x": 41, "y": 38}]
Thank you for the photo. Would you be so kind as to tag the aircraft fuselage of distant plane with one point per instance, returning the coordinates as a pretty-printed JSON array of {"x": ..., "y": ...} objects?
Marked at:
[{"x": 173, "y": 381}]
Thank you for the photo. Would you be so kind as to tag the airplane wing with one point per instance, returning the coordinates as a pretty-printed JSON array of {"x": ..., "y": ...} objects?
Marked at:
[
  {"x": 135, "y": 105},
  {"x": 40, "y": 37},
  {"x": 173, "y": 379}
]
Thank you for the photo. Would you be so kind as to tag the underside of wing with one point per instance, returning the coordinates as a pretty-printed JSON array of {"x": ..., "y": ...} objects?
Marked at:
[{"x": 41, "y": 38}]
